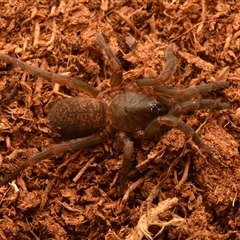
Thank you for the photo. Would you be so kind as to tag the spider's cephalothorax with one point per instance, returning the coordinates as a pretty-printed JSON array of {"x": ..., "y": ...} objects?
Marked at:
[
  {"x": 85, "y": 118},
  {"x": 132, "y": 112}
]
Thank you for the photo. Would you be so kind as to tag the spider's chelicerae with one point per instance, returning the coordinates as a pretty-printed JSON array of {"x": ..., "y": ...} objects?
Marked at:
[{"x": 88, "y": 121}]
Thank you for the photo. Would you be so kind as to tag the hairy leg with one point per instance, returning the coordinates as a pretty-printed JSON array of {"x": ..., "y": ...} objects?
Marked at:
[
  {"x": 74, "y": 144},
  {"x": 195, "y": 104},
  {"x": 182, "y": 94},
  {"x": 128, "y": 149},
  {"x": 173, "y": 121},
  {"x": 57, "y": 78},
  {"x": 116, "y": 78},
  {"x": 165, "y": 75}
]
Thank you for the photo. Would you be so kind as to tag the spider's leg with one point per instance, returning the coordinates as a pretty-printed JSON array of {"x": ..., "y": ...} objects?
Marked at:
[
  {"x": 127, "y": 157},
  {"x": 165, "y": 75},
  {"x": 191, "y": 91},
  {"x": 116, "y": 78},
  {"x": 173, "y": 121},
  {"x": 57, "y": 78},
  {"x": 195, "y": 104},
  {"x": 176, "y": 93},
  {"x": 74, "y": 144}
]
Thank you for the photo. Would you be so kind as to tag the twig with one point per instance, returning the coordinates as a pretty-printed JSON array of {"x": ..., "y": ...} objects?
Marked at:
[
  {"x": 156, "y": 189},
  {"x": 185, "y": 174},
  {"x": 76, "y": 178},
  {"x": 189, "y": 30},
  {"x": 203, "y": 15},
  {"x": 154, "y": 218},
  {"x": 10, "y": 95},
  {"x": 44, "y": 199},
  {"x": 126, "y": 19},
  {"x": 205, "y": 121},
  {"x": 14, "y": 185},
  {"x": 133, "y": 187}
]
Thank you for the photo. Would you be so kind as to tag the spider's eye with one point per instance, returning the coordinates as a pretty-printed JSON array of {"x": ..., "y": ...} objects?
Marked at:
[
  {"x": 158, "y": 107},
  {"x": 154, "y": 107}
]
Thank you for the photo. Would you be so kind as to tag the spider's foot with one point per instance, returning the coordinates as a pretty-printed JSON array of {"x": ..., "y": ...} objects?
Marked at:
[{"x": 206, "y": 148}]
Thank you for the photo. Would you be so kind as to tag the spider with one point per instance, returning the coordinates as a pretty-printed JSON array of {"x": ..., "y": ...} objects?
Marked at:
[{"x": 90, "y": 120}]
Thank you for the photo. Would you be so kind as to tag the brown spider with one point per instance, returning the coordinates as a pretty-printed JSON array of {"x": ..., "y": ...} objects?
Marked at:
[{"x": 87, "y": 120}]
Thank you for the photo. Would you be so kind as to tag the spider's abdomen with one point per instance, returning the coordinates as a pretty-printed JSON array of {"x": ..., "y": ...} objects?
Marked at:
[
  {"x": 132, "y": 112},
  {"x": 77, "y": 117}
]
